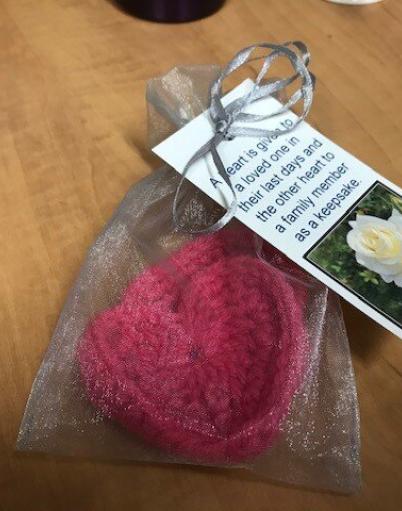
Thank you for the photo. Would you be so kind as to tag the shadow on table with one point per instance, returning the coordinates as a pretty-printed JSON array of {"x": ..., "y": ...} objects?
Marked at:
[{"x": 366, "y": 337}]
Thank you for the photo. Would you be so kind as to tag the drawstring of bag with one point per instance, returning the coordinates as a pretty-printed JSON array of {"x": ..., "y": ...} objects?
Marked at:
[{"x": 225, "y": 119}]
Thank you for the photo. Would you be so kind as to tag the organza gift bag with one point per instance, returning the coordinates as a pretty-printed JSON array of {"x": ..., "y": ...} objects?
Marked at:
[{"x": 211, "y": 349}]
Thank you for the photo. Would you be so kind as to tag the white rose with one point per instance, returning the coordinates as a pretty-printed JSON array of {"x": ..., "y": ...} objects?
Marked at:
[{"x": 378, "y": 245}]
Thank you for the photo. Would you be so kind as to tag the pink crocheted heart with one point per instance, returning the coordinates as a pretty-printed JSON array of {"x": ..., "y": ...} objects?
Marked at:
[{"x": 203, "y": 354}]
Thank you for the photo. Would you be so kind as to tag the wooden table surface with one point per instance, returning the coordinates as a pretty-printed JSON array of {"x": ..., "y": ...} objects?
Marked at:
[{"x": 73, "y": 139}]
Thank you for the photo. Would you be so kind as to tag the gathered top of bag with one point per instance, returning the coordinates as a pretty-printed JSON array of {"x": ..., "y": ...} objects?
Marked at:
[{"x": 203, "y": 354}]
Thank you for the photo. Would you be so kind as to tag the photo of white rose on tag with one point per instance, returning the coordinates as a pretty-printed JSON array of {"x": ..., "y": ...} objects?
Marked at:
[{"x": 363, "y": 252}]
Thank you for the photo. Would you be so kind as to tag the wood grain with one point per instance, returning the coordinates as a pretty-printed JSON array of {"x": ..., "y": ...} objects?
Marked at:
[{"x": 73, "y": 139}]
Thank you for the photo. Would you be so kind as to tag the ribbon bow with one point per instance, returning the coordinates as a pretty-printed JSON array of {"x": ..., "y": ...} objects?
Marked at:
[{"x": 225, "y": 118}]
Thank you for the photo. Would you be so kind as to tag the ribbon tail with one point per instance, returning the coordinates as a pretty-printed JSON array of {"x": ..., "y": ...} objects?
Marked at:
[{"x": 209, "y": 147}]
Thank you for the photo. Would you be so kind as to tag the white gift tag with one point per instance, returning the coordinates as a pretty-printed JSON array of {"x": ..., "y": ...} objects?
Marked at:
[{"x": 322, "y": 207}]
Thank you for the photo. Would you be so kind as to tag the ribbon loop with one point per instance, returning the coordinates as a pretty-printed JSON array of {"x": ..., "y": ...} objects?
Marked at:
[{"x": 224, "y": 118}]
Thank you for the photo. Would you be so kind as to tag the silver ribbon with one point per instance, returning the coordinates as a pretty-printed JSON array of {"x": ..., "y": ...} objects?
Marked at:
[{"x": 225, "y": 118}]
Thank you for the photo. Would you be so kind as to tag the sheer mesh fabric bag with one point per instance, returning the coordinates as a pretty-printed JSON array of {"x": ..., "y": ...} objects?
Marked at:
[{"x": 210, "y": 349}]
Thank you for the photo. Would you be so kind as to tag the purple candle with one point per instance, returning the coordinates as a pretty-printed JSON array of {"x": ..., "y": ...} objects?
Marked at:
[{"x": 172, "y": 11}]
